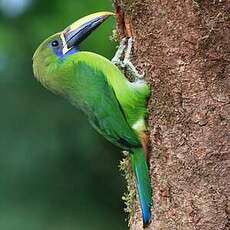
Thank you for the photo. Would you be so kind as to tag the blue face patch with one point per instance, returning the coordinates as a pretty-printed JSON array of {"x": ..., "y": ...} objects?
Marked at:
[
  {"x": 57, "y": 49},
  {"x": 72, "y": 51},
  {"x": 59, "y": 53}
]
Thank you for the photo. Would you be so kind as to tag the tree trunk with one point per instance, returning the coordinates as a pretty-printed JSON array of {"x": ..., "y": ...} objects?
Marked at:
[{"x": 183, "y": 46}]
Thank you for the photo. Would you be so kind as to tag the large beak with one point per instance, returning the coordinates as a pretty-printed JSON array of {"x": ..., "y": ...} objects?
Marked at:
[{"x": 74, "y": 34}]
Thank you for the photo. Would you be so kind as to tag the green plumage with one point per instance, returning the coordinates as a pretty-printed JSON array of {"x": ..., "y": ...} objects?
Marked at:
[
  {"x": 143, "y": 182},
  {"x": 115, "y": 107}
]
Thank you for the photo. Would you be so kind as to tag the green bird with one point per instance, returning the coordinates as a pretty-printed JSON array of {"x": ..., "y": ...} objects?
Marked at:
[{"x": 115, "y": 107}]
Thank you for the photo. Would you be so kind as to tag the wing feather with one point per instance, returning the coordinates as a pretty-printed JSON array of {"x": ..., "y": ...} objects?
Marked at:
[{"x": 99, "y": 102}]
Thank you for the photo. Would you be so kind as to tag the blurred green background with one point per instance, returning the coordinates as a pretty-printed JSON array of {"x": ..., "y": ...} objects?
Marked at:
[{"x": 56, "y": 172}]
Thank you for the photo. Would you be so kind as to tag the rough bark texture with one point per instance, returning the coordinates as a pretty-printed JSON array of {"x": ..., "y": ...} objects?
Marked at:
[{"x": 184, "y": 48}]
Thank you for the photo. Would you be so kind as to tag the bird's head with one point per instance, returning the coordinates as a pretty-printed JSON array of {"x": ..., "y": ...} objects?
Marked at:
[{"x": 65, "y": 43}]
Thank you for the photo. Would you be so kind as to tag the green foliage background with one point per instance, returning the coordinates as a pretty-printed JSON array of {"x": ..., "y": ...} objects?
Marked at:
[{"x": 56, "y": 172}]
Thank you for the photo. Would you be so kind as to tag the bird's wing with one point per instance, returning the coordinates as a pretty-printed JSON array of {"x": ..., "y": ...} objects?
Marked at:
[{"x": 104, "y": 111}]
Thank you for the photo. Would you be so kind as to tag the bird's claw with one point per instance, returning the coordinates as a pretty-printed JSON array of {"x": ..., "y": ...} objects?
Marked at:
[
  {"x": 117, "y": 59},
  {"x": 125, "y": 63}
]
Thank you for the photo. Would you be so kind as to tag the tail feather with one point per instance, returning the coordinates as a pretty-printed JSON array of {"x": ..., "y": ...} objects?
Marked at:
[{"x": 143, "y": 183}]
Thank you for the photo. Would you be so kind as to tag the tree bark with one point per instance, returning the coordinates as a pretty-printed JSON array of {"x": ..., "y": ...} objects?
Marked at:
[{"x": 183, "y": 46}]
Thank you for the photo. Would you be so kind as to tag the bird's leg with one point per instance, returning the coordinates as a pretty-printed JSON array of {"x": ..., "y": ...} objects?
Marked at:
[
  {"x": 126, "y": 63},
  {"x": 129, "y": 65},
  {"x": 117, "y": 59}
]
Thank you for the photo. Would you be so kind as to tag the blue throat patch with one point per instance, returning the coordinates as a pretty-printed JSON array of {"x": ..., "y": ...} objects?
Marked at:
[{"x": 58, "y": 52}]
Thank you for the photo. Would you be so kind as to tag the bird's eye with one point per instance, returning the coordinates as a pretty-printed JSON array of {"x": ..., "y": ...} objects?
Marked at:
[{"x": 55, "y": 43}]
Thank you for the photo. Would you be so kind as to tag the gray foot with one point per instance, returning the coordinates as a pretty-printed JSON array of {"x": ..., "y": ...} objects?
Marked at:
[
  {"x": 126, "y": 63},
  {"x": 117, "y": 59}
]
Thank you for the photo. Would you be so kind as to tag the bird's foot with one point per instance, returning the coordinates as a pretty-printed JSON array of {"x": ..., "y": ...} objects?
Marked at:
[
  {"x": 125, "y": 63},
  {"x": 129, "y": 65},
  {"x": 117, "y": 59}
]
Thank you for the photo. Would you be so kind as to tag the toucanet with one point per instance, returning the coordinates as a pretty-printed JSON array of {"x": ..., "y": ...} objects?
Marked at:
[{"x": 115, "y": 106}]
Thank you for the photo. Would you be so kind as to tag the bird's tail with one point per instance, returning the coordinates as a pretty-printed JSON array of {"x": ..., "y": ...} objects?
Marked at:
[{"x": 143, "y": 183}]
